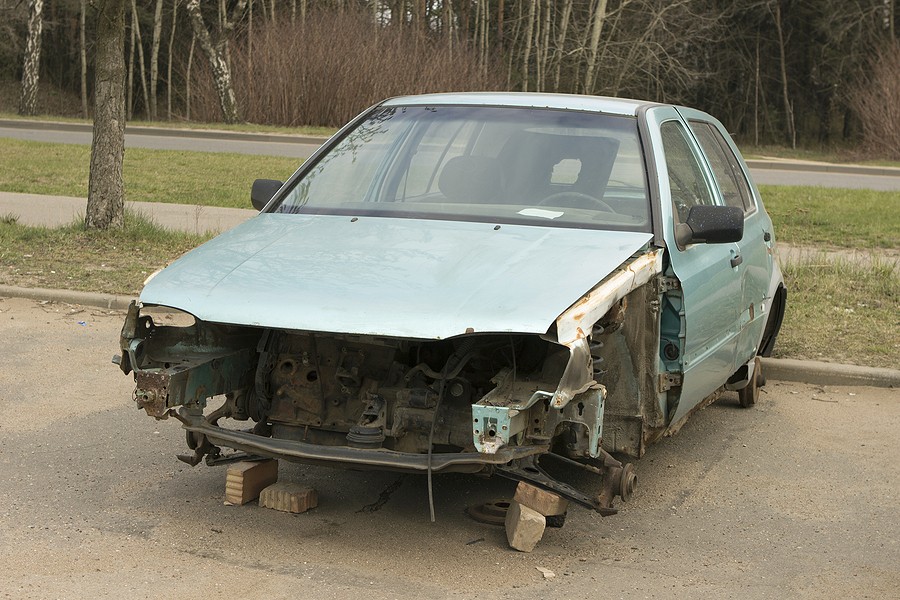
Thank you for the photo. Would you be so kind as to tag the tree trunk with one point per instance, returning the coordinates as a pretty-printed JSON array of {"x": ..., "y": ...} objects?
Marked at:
[
  {"x": 545, "y": 46},
  {"x": 32, "y": 66},
  {"x": 129, "y": 89},
  {"x": 169, "y": 64},
  {"x": 136, "y": 25},
  {"x": 106, "y": 190},
  {"x": 788, "y": 108},
  {"x": 596, "y": 29},
  {"x": 154, "y": 57},
  {"x": 561, "y": 43},
  {"x": 82, "y": 52},
  {"x": 187, "y": 79},
  {"x": 216, "y": 54},
  {"x": 526, "y": 54}
]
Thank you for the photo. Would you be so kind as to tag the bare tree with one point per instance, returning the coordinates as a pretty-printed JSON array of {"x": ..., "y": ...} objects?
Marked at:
[
  {"x": 82, "y": 51},
  {"x": 169, "y": 64},
  {"x": 593, "y": 51},
  {"x": 529, "y": 32},
  {"x": 154, "y": 56},
  {"x": 106, "y": 190},
  {"x": 31, "y": 69},
  {"x": 136, "y": 27},
  {"x": 216, "y": 50},
  {"x": 788, "y": 107}
]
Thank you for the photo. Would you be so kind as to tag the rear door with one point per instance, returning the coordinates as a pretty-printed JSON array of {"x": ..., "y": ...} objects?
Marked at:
[{"x": 755, "y": 249}]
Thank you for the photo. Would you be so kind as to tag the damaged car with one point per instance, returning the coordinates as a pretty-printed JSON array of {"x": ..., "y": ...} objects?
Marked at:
[{"x": 481, "y": 283}]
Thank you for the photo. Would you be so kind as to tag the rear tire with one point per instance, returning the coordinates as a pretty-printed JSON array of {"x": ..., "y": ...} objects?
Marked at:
[{"x": 749, "y": 394}]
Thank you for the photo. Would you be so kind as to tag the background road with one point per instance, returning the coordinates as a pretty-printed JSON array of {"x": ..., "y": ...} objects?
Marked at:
[
  {"x": 301, "y": 148},
  {"x": 796, "y": 498}
]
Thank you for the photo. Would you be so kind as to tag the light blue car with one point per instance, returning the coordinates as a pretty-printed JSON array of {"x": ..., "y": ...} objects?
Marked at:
[{"x": 473, "y": 282}]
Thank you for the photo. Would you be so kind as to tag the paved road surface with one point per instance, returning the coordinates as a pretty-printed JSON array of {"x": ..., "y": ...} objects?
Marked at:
[
  {"x": 796, "y": 498},
  {"x": 263, "y": 144}
]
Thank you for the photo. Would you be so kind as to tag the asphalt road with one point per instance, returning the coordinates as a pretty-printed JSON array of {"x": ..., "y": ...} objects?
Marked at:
[
  {"x": 180, "y": 140},
  {"x": 796, "y": 498}
]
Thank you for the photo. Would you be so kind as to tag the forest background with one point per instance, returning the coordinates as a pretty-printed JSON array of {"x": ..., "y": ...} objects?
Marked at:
[{"x": 790, "y": 72}]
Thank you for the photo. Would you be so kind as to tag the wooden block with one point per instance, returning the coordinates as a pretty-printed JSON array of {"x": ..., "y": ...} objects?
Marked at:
[
  {"x": 524, "y": 527},
  {"x": 544, "y": 502},
  {"x": 289, "y": 497},
  {"x": 245, "y": 480}
]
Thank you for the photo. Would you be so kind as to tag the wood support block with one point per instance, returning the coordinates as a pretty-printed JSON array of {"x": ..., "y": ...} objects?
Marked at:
[
  {"x": 289, "y": 497},
  {"x": 544, "y": 502},
  {"x": 245, "y": 480},
  {"x": 524, "y": 527}
]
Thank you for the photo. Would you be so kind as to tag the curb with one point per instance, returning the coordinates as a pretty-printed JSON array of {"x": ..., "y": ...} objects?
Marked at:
[
  {"x": 108, "y": 301},
  {"x": 778, "y": 369},
  {"x": 824, "y": 373}
]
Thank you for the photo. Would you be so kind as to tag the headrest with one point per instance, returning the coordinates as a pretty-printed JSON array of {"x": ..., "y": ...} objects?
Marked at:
[{"x": 470, "y": 179}]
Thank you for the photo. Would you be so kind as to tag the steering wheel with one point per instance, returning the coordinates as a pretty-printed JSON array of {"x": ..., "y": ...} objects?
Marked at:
[{"x": 577, "y": 196}]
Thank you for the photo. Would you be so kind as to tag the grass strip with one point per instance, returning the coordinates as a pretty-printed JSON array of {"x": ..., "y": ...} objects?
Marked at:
[
  {"x": 843, "y": 311},
  {"x": 205, "y": 178},
  {"x": 114, "y": 262},
  {"x": 842, "y": 218}
]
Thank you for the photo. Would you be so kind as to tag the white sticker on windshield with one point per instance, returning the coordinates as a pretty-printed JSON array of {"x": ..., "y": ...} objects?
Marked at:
[{"x": 540, "y": 212}]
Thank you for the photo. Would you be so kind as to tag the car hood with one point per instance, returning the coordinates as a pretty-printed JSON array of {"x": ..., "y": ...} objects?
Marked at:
[{"x": 425, "y": 279}]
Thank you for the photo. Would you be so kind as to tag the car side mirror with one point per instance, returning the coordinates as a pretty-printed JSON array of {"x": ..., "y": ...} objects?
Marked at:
[
  {"x": 711, "y": 224},
  {"x": 262, "y": 191}
]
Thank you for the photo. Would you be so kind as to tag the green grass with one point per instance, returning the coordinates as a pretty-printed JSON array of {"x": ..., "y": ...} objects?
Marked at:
[
  {"x": 835, "y": 217},
  {"x": 179, "y": 124},
  {"x": 207, "y": 178},
  {"x": 74, "y": 258},
  {"x": 842, "y": 311}
]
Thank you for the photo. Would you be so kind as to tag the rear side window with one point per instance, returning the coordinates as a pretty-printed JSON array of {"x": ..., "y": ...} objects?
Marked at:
[{"x": 724, "y": 165}]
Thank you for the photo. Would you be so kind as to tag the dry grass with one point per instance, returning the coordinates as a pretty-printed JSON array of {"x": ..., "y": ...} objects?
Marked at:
[
  {"x": 74, "y": 258},
  {"x": 842, "y": 311}
]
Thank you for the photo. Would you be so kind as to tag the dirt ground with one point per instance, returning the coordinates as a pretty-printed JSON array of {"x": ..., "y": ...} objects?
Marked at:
[{"x": 796, "y": 498}]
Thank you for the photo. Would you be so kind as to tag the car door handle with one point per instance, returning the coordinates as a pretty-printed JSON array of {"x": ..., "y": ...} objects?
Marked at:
[{"x": 736, "y": 260}]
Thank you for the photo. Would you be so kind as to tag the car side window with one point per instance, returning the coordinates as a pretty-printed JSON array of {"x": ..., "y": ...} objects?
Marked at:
[
  {"x": 688, "y": 185},
  {"x": 724, "y": 165}
]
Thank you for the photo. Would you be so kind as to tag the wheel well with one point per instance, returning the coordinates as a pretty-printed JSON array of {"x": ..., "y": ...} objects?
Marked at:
[{"x": 773, "y": 324}]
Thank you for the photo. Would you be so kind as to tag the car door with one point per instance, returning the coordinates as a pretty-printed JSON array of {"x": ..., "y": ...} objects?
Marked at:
[
  {"x": 709, "y": 274},
  {"x": 755, "y": 248}
]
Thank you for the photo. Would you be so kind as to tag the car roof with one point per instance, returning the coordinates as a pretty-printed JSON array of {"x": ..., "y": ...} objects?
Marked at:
[{"x": 616, "y": 106}]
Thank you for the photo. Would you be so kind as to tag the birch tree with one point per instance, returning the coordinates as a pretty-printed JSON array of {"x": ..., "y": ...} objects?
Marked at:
[
  {"x": 31, "y": 69},
  {"x": 154, "y": 56},
  {"x": 106, "y": 190},
  {"x": 216, "y": 50},
  {"x": 82, "y": 52},
  {"x": 593, "y": 51}
]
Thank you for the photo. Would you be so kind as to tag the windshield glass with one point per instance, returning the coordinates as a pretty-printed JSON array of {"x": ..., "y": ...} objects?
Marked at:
[{"x": 491, "y": 164}]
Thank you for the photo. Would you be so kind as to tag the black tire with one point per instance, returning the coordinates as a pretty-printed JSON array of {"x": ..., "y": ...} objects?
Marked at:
[{"x": 749, "y": 394}]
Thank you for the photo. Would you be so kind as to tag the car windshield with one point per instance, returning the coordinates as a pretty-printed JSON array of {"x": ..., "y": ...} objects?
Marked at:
[{"x": 489, "y": 164}]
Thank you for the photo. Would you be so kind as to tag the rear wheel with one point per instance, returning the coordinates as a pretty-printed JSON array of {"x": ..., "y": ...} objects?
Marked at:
[{"x": 749, "y": 394}]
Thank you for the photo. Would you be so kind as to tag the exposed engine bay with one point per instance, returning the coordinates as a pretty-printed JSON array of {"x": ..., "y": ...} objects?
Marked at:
[{"x": 489, "y": 403}]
